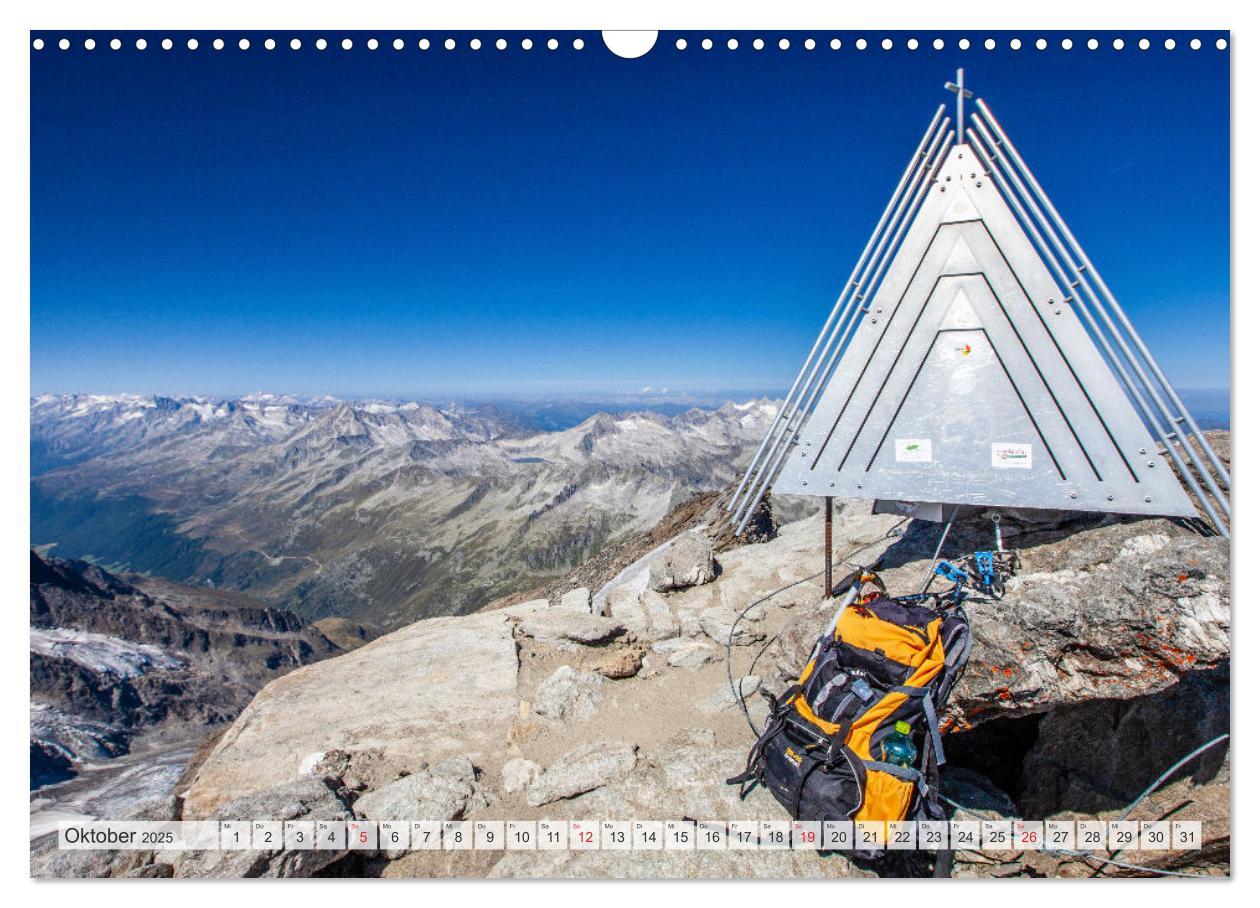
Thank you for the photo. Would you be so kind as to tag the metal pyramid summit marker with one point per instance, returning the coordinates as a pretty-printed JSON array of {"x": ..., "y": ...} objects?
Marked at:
[{"x": 963, "y": 366}]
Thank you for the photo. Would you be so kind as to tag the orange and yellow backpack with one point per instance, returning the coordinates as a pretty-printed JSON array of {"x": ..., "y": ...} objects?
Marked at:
[{"x": 883, "y": 661}]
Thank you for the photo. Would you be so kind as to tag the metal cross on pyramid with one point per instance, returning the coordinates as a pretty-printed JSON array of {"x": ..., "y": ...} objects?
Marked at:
[{"x": 976, "y": 358}]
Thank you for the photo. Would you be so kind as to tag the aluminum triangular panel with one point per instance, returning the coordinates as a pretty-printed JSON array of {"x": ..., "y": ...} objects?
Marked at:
[{"x": 970, "y": 381}]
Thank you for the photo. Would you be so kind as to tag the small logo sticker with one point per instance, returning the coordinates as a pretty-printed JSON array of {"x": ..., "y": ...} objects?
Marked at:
[
  {"x": 914, "y": 450},
  {"x": 1012, "y": 456}
]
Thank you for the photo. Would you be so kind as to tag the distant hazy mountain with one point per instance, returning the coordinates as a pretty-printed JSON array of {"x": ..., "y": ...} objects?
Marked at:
[{"x": 383, "y": 511}]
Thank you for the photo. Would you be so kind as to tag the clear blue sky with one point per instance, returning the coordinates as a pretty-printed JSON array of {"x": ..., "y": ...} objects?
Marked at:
[{"x": 416, "y": 223}]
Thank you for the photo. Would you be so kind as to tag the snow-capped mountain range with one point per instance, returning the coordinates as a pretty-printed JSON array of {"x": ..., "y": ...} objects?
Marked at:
[{"x": 383, "y": 511}]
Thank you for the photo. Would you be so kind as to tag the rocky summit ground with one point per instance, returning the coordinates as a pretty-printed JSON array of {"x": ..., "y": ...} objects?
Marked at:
[{"x": 1106, "y": 661}]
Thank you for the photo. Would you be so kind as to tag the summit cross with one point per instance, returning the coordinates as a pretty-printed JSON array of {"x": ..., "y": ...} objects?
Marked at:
[{"x": 963, "y": 93}]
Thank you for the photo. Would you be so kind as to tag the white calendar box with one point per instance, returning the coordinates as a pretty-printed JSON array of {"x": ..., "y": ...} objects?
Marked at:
[
  {"x": 964, "y": 835},
  {"x": 1122, "y": 834},
  {"x": 1187, "y": 835},
  {"x": 1155, "y": 835},
  {"x": 266, "y": 835},
  {"x": 711, "y": 835},
  {"x": 553, "y": 835},
  {"x": 457, "y": 835},
  {"x": 807, "y": 835},
  {"x": 1060, "y": 835},
  {"x": 995, "y": 835},
  {"x": 426, "y": 835},
  {"x": 394, "y": 835},
  {"x": 773, "y": 834},
  {"x": 616, "y": 835},
  {"x": 203, "y": 835},
  {"x": 234, "y": 835},
  {"x": 521, "y": 835},
  {"x": 742, "y": 835},
  {"x": 361, "y": 835},
  {"x": 869, "y": 834},
  {"x": 1091, "y": 835},
  {"x": 680, "y": 835},
  {"x": 1030, "y": 835},
  {"x": 903, "y": 835},
  {"x": 837, "y": 835},
  {"x": 488, "y": 835},
  {"x": 299, "y": 835},
  {"x": 649, "y": 835},
  {"x": 933, "y": 835},
  {"x": 330, "y": 835},
  {"x": 584, "y": 835}
]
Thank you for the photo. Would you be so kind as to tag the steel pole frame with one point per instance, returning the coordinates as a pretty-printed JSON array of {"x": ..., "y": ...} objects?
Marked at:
[
  {"x": 843, "y": 302},
  {"x": 939, "y": 150},
  {"x": 982, "y": 140},
  {"x": 1086, "y": 268}
]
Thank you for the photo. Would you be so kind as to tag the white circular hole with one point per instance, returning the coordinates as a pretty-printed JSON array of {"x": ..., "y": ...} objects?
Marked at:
[
  {"x": 115, "y": 44},
  {"x": 1170, "y": 44},
  {"x": 1221, "y": 44},
  {"x": 1195, "y": 43},
  {"x": 707, "y": 44},
  {"x": 758, "y": 43},
  {"x": 501, "y": 44},
  {"x": 475, "y": 44},
  {"x": 835, "y": 43},
  {"x": 938, "y": 44},
  {"x": 578, "y": 44},
  {"x": 64, "y": 44},
  {"x": 295, "y": 44},
  {"x": 1118, "y": 44},
  {"x": 630, "y": 45},
  {"x": 399, "y": 44},
  {"x": 1042, "y": 44},
  {"x": 784, "y": 44},
  {"x": 270, "y": 44},
  {"x": 373, "y": 44},
  {"x": 243, "y": 44},
  {"x": 913, "y": 44},
  {"x": 1066, "y": 44},
  {"x": 90, "y": 44},
  {"x": 218, "y": 44},
  {"x": 1092, "y": 44},
  {"x": 167, "y": 44},
  {"x": 38, "y": 44},
  {"x": 321, "y": 44},
  {"x": 192, "y": 43},
  {"x": 449, "y": 43},
  {"x": 990, "y": 44},
  {"x": 552, "y": 44},
  {"x": 527, "y": 44},
  {"x": 1016, "y": 44},
  {"x": 964, "y": 43},
  {"x": 732, "y": 44},
  {"x": 141, "y": 44},
  {"x": 424, "y": 44},
  {"x": 886, "y": 44},
  {"x": 861, "y": 44},
  {"x": 681, "y": 44},
  {"x": 1144, "y": 44},
  {"x": 810, "y": 43}
]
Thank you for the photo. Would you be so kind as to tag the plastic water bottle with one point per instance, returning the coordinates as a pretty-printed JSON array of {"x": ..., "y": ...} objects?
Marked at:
[{"x": 897, "y": 748}]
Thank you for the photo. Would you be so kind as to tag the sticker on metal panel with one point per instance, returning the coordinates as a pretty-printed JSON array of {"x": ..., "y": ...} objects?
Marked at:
[{"x": 1012, "y": 456}]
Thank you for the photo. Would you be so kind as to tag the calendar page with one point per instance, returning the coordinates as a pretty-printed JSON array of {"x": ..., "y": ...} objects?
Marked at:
[{"x": 709, "y": 453}]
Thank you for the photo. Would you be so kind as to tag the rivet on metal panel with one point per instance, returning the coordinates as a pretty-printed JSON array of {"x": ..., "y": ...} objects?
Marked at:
[
  {"x": 1111, "y": 497},
  {"x": 1142, "y": 451},
  {"x": 832, "y": 483},
  {"x": 1058, "y": 311},
  {"x": 1073, "y": 494},
  {"x": 977, "y": 184},
  {"x": 859, "y": 485},
  {"x": 1150, "y": 463},
  {"x": 1148, "y": 499}
]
